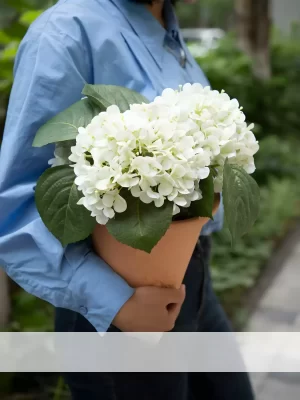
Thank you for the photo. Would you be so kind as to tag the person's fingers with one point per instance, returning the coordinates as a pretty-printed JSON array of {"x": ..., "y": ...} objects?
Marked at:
[
  {"x": 175, "y": 296},
  {"x": 174, "y": 310}
]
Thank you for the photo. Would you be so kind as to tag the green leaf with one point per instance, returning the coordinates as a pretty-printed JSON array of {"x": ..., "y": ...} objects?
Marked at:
[
  {"x": 107, "y": 95},
  {"x": 65, "y": 125},
  {"x": 204, "y": 206},
  {"x": 142, "y": 225},
  {"x": 241, "y": 200},
  {"x": 56, "y": 198}
]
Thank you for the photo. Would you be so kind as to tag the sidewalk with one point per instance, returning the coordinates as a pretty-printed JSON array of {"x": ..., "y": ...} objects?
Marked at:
[{"x": 279, "y": 311}]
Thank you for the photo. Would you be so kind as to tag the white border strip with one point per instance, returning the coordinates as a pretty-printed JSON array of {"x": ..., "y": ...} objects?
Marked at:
[{"x": 168, "y": 352}]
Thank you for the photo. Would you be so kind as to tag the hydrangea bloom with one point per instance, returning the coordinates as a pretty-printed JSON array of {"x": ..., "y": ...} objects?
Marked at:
[{"x": 160, "y": 151}]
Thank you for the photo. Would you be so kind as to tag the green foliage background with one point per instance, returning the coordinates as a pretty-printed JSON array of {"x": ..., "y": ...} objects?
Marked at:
[
  {"x": 206, "y": 13},
  {"x": 274, "y": 108}
]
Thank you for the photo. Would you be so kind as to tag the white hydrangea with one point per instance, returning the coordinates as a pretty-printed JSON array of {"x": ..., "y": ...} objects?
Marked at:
[
  {"x": 61, "y": 154},
  {"x": 160, "y": 151}
]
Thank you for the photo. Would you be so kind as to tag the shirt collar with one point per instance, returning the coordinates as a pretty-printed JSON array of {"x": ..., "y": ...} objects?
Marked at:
[{"x": 147, "y": 27}]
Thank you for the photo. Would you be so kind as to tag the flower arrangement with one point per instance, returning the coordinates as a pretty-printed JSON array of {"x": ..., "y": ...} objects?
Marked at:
[{"x": 136, "y": 166}]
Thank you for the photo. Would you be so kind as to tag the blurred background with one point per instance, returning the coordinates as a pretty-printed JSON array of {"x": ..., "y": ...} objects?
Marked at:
[{"x": 251, "y": 49}]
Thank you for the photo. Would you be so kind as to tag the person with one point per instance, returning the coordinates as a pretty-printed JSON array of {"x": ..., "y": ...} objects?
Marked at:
[{"x": 130, "y": 43}]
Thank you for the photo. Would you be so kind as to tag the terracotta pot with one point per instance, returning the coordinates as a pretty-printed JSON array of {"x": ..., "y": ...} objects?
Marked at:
[{"x": 164, "y": 266}]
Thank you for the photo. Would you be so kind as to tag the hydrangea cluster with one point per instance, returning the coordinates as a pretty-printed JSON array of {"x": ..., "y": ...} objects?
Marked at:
[{"x": 160, "y": 151}]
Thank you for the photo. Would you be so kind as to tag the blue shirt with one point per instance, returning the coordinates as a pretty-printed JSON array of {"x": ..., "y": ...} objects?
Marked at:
[{"x": 76, "y": 42}]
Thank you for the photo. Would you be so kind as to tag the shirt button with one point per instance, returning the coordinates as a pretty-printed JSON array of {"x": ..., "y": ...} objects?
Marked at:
[
  {"x": 83, "y": 310},
  {"x": 182, "y": 58}
]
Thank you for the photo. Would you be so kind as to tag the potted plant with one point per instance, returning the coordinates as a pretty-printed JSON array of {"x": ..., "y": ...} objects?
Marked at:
[{"x": 143, "y": 178}]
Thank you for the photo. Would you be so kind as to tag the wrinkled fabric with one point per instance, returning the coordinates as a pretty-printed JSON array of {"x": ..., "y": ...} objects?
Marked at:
[{"x": 73, "y": 43}]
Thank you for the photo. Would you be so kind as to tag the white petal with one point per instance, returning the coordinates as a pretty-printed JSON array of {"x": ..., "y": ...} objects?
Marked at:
[
  {"x": 103, "y": 184},
  {"x": 180, "y": 201},
  {"x": 99, "y": 205},
  {"x": 144, "y": 184},
  {"x": 159, "y": 202},
  {"x": 178, "y": 171},
  {"x": 74, "y": 158},
  {"x": 80, "y": 180},
  {"x": 90, "y": 191},
  {"x": 189, "y": 183},
  {"x": 113, "y": 110},
  {"x": 152, "y": 195},
  {"x": 104, "y": 172},
  {"x": 172, "y": 196},
  {"x": 165, "y": 189},
  {"x": 169, "y": 95},
  {"x": 120, "y": 204},
  {"x": 136, "y": 191},
  {"x": 127, "y": 180},
  {"x": 91, "y": 200},
  {"x": 187, "y": 88},
  {"x": 108, "y": 200},
  {"x": 102, "y": 219},
  {"x": 197, "y": 88},
  {"x": 183, "y": 190},
  {"x": 81, "y": 130},
  {"x": 52, "y": 161},
  {"x": 145, "y": 198},
  {"x": 218, "y": 184},
  {"x": 176, "y": 209},
  {"x": 81, "y": 201},
  {"x": 166, "y": 164},
  {"x": 188, "y": 203},
  {"x": 250, "y": 168},
  {"x": 203, "y": 173},
  {"x": 108, "y": 212},
  {"x": 195, "y": 196}
]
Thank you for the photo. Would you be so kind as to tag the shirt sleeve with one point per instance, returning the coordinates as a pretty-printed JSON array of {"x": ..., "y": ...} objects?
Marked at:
[{"x": 49, "y": 75}]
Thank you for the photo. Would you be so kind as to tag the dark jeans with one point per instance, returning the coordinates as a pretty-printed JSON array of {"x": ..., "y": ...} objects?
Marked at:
[{"x": 201, "y": 312}]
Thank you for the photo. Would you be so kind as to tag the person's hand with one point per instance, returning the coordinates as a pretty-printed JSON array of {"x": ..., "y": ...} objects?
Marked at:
[{"x": 150, "y": 309}]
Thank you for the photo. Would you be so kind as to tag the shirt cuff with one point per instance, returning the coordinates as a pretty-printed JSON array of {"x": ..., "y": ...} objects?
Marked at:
[{"x": 97, "y": 292}]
